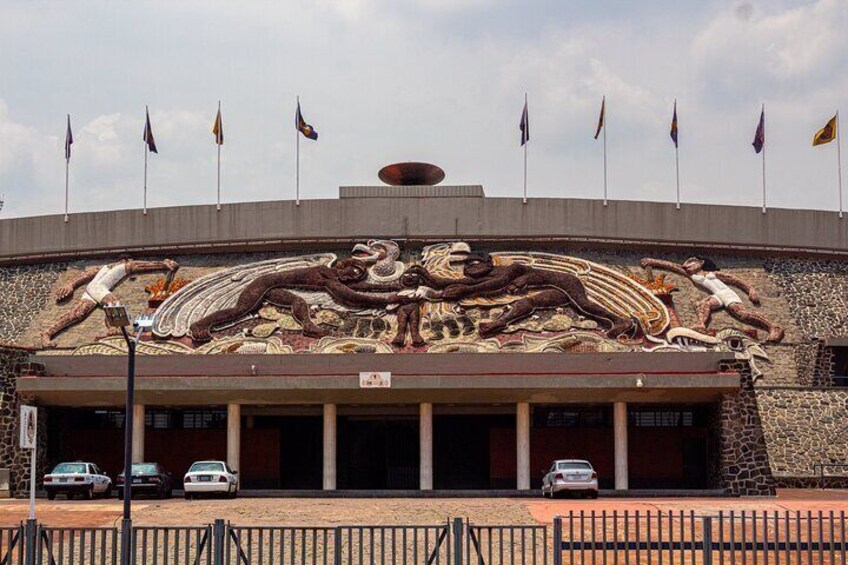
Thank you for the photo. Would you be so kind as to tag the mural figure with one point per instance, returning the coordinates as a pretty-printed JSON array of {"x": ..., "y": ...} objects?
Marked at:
[
  {"x": 100, "y": 282},
  {"x": 483, "y": 278},
  {"x": 706, "y": 275},
  {"x": 345, "y": 281}
]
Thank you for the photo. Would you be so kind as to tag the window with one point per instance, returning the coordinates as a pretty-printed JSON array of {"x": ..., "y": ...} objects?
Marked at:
[
  {"x": 664, "y": 418},
  {"x": 204, "y": 419},
  {"x": 840, "y": 366},
  {"x": 70, "y": 468},
  {"x": 572, "y": 417}
]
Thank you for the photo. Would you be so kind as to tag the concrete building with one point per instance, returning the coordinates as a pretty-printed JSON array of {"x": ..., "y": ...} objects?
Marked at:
[{"x": 601, "y": 345}]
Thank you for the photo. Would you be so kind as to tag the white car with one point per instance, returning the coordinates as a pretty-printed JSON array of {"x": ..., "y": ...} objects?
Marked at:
[
  {"x": 570, "y": 475},
  {"x": 79, "y": 477},
  {"x": 210, "y": 477}
]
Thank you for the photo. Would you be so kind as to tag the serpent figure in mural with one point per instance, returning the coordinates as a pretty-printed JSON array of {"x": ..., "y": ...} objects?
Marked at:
[
  {"x": 555, "y": 289},
  {"x": 100, "y": 282},
  {"x": 706, "y": 275},
  {"x": 344, "y": 281}
]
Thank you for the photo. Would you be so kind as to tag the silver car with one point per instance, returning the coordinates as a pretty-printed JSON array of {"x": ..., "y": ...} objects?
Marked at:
[{"x": 570, "y": 475}]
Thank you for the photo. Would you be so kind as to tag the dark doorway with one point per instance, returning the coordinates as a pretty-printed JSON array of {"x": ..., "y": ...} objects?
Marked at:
[
  {"x": 378, "y": 452},
  {"x": 295, "y": 461},
  {"x": 474, "y": 451},
  {"x": 695, "y": 462}
]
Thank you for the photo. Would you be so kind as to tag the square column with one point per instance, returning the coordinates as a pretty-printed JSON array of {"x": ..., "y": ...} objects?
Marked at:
[
  {"x": 329, "y": 447},
  {"x": 426, "y": 446},
  {"x": 234, "y": 436},
  {"x": 138, "y": 434},
  {"x": 620, "y": 434},
  {"x": 522, "y": 436}
]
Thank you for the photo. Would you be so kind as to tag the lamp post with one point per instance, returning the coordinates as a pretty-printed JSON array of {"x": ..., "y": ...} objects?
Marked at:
[{"x": 117, "y": 317}]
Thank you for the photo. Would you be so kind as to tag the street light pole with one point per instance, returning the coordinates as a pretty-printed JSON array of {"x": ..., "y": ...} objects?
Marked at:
[
  {"x": 117, "y": 317},
  {"x": 128, "y": 422}
]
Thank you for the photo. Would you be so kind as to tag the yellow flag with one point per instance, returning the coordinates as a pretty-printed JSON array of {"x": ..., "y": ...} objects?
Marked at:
[
  {"x": 218, "y": 129},
  {"x": 826, "y": 134}
]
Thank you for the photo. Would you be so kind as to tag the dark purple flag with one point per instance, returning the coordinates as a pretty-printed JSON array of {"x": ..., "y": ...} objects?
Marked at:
[{"x": 760, "y": 136}]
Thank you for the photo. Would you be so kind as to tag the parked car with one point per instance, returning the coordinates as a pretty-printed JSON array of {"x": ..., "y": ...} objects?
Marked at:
[
  {"x": 570, "y": 475},
  {"x": 147, "y": 478},
  {"x": 210, "y": 477},
  {"x": 78, "y": 477}
]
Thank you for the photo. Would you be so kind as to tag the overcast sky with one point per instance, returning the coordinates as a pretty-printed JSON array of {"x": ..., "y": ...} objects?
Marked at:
[{"x": 441, "y": 81}]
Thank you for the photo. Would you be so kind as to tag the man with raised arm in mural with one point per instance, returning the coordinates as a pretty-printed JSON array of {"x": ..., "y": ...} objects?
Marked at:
[
  {"x": 99, "y": 281},
  {"x": 706, "y": 275}
]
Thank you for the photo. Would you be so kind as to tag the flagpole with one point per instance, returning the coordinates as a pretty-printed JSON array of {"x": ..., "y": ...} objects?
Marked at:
[
  {"x": 297, "y": 166},
  {"x": 677, "y": 167},
  {"x": 839, "y": 160},
  {"x": 604, "y": 105},
  {"x": 220, "y": 125},
  {"x": 764, "y": 160},
  {"x": 146, "y": 150},
  {"x": 524, "y": 200},
  {"x": 67, "y": 167}
]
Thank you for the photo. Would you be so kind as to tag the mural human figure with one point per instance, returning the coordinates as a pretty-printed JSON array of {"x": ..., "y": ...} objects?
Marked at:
[
  {"x": 553, "y": 290},
  {"x": 345, "y": 281},
  {"x": 100, "y": 282},
  {"x": 706, "y": 275}
]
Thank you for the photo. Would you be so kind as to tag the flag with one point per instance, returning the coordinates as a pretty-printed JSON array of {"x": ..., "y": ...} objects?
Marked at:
[
  {"x": 524, "y": 126},
  {"x": 69, "y": 140},
  {"x": 218, "y": 129},
  {"x": 148, "y": 134},
  {"x": 301, "y": 125},
  {"x": 760, "y": 135},
  {"x": 826, "y": 134},
  {"x": 601, "y": 117},
  {"x": 673, "y": 131}
]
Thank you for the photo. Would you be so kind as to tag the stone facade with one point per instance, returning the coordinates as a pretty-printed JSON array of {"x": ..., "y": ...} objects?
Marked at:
[
  {"x": 11, "y": 456},
  {"x": 23, "y": 294},
  {"x": 771, "y": 432}
]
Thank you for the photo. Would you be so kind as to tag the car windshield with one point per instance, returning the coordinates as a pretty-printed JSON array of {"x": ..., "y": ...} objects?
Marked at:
[
  {"x": 573, "y": 466},
  {"x": 144, "y": 469},
  {"x": 206, "y": 466},
  {"x": 78, "y": 468}
]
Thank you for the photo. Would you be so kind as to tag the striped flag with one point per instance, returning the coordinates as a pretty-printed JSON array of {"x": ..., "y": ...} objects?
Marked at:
[{"x": 673, "y": 131}]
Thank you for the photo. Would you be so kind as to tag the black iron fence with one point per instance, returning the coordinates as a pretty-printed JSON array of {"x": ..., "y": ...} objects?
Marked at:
[
  {"x": 763, "y": 538},
  {"x": 596, "y": 538}
]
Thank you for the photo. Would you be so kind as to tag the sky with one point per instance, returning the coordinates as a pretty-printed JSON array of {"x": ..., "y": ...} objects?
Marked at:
[{"x": 440, "y": 81}]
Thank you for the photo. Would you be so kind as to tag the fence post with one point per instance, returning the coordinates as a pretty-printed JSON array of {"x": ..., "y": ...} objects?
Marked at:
[
  {"x": 218, "y": 538},
  {"x": 457, "y": 541},
  {"x": 708, "y": 540},
  {"x": 30, "y": 541},
  {"x": 126, "y": 542},
  {"x": 558, "y": 540},
  {"x": 337, "y": 546}
]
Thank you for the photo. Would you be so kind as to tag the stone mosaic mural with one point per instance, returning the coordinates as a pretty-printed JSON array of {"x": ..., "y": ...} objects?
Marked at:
[{"x": 448, "y": 297}]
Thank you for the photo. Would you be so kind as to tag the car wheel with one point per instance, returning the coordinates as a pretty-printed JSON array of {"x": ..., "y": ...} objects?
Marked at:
[
  {"x": 187, "y": 496},
  {"x": 51, "y": 495},
  {"x": 108, "y": 492},
  {"x": 88, "y": 493},
  {"x": 232, "y": 494},
  {"x": 593, "y": 494}
]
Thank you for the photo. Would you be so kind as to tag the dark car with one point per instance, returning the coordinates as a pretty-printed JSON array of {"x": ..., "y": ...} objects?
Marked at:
[{"x": 147, "y": 478}]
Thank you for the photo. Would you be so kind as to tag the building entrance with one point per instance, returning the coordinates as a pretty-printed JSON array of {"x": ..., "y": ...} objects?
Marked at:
[{"x": 378, "y": 452}]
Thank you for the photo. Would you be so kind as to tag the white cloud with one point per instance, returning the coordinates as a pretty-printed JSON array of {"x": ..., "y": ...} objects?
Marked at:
[{"x": 435, "y": 80}]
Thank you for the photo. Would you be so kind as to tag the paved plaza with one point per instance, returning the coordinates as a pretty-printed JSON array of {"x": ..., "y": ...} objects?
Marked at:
[{"x": 394, "y": 511}]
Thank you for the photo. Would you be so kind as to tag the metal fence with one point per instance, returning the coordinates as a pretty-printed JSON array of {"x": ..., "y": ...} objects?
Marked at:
[
  {"x": 763, "y": 538},
  {"x": 596, "y": 538}
]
